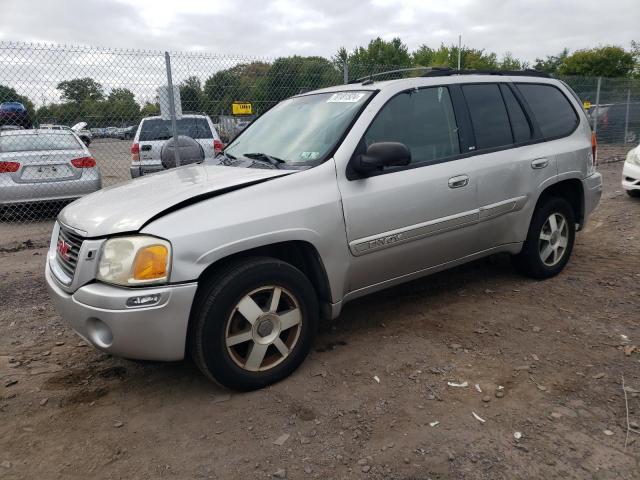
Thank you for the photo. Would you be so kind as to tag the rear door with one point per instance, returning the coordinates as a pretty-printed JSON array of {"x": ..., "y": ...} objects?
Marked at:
[{"x": 511, "y": 163}]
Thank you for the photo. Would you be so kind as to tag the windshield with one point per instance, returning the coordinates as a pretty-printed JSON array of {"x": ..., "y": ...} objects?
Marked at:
[
  {"x": 43, "y": 141},
  {"x": 158, "y": 129},
  {"x": 301, "y": 130}
]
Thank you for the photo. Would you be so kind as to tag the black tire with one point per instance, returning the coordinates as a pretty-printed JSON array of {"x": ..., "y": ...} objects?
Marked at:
[
  {"x": 215, "y": 306},
  {"x": 633, "y": 193},
  {"x": 529, "y": 261}
]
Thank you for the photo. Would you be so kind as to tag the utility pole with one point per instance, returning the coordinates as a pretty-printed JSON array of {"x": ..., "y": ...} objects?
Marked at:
[{"x": 459, "y": 50}]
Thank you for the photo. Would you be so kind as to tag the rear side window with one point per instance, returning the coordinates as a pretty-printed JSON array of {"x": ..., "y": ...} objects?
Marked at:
[
  {"x": 158, "y": 129},
  {"x": 519, "y": 124},
  {"x": 554, "y": 114},
  {"x": 488, "y": 115},
  {"x": 421, "y": 119}
]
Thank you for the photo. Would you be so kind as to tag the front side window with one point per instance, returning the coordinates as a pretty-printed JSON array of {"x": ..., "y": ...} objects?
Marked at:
[
  {"x": 488, "y": 115},
  {"x": 423, "y": 120},
  {"x": 554, "y": 114}
]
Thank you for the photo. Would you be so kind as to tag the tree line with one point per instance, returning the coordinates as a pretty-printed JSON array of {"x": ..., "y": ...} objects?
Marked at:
[{"x": 266, "y": 83}]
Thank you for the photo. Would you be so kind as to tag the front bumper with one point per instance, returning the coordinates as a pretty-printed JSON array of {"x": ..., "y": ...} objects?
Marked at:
[
  {"x": 100, "y": 315},
  {"x": 630, "y": 176}
]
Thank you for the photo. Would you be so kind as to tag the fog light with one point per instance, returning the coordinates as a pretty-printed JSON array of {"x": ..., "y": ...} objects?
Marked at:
[
  {"x": 143, "y": 300},
  {"x": 99, "y": 333}
]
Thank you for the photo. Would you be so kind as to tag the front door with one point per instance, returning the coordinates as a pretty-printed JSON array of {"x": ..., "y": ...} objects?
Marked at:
[{"x": 403, "y": 220}]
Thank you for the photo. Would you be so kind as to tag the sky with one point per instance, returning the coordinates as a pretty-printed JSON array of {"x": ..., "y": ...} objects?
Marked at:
[{"x": 256, "y": 28}]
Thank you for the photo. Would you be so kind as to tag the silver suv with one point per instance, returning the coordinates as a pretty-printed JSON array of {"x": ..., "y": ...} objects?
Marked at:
[
  {"x": 154, "y": 132},
  {"x": 329, "y": 196}
]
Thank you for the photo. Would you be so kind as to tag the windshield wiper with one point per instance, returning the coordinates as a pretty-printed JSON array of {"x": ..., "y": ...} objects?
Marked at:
[{"x": 263, "y": 157}]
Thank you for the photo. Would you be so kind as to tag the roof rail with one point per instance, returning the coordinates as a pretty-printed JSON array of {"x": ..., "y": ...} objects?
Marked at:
[
  {"x": 373, "y": 75},
  {"x": 447, "y": 71}
]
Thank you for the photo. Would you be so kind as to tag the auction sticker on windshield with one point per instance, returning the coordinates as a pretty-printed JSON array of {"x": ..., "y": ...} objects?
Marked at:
[{"x": 345, "y": 97}]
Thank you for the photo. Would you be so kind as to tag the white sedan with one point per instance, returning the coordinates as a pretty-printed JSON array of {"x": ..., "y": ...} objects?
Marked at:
[{"x": 631, "y": 173}]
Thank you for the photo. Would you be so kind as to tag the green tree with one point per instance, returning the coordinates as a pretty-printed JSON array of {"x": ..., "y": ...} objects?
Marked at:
[
  {"x": 120, "y": 107},
  {"x": 635, "y": 51},
  {"x": 423, "y": 56},
  {"x": 380, "y": 53},
  {"x": 509, "y": 62},
  {"x": 244, "y": 83},
  {"x": 150, "y": 108},
  {"x": 191, "y": 94},
  {"x": 290, "y": 76},
  {"x": 551, "y": 64},
  {"x": 80, "y": 89},
  {"x": 607, "y": 61}
]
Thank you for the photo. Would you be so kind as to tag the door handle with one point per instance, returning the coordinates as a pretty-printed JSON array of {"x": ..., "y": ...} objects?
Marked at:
[
  {"x": 539, "y": 163},
  {"x": 459, "y": 181}
]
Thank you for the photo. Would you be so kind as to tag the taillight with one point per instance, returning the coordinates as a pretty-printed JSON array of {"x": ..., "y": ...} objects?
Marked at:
[
  {"x": 594, "y": 148},
  {"x": 135, "y": 152},
  {"x": 83, "y": 162},
  {"x": 218, "y": 146},
  {"x": 9, "y": 167}
]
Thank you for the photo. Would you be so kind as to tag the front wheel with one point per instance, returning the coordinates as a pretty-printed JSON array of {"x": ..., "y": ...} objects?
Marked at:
[
  {"x": 549, "y": 241},
  {"x": 633, "y": 193},
  {"x": 253, "y": 323}
]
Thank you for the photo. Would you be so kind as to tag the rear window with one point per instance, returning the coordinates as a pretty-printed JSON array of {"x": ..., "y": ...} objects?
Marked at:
[
  {"x": 158, "y": 129},
  {"x": 554, "y": 114},
  {"x": 488, "y": 115},
  {"x": 44, "y": 141}
]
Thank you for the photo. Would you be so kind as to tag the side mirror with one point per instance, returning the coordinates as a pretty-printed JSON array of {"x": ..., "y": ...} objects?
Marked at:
[{"x": 380, "y": 155}]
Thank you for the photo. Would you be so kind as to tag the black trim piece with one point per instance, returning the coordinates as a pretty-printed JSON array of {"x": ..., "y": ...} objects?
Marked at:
[{"x": 206, "y": 196}]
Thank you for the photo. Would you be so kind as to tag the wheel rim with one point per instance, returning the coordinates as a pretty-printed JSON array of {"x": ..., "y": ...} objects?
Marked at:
[
  {"x": 554, "y": 238},
  {"x": 263, "y": 328}
]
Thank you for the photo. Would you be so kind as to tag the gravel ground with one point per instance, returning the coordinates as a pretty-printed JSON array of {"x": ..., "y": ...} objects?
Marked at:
[{"x": 372, "y": 400}]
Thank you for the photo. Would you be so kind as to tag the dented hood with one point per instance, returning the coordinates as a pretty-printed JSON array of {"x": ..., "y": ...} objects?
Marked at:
[{"x": 128, "y": 206}]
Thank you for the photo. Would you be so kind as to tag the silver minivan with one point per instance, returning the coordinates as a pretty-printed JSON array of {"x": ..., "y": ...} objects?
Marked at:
[{"x": 329, "y": 196}]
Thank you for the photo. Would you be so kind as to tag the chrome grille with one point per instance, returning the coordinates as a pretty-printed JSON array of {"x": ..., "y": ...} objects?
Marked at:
[{"x": 74, "y": 242}]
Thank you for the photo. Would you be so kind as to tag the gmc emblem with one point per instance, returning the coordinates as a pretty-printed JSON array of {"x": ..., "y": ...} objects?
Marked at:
[{"x": 63, "y": 249}]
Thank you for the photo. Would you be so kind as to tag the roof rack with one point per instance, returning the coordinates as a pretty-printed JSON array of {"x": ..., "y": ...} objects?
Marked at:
[{"x": 447, "y": 71}]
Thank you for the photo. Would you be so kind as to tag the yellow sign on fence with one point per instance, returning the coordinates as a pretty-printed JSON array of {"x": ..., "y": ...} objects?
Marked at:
[
  {"x": 241, "y": 108},
  {"x": 586, "y": 104}
]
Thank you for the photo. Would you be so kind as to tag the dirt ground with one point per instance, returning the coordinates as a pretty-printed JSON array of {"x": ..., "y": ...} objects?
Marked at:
[{"x": 548, "y": 356}]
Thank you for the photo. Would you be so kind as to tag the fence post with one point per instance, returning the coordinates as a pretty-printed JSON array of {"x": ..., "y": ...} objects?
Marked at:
[
  {"x": 172, "y": 110},
  {"x": 595, "y": 113},
  {"x": 345, "y": 72},
  {"x": 626, "y": 117}
]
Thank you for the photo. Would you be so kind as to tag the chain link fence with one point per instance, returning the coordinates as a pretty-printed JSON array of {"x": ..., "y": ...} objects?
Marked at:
[{"x": 69, "y": 115}]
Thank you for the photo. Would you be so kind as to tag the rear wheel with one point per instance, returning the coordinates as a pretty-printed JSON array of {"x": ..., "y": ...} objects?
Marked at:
[
  {"x": 633, "y": 193},
  {"x": 549, "y": 241},
  {"x": 253, "y": 323}
]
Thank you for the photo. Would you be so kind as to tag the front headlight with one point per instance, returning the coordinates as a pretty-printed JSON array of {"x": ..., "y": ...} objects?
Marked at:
[
  {"x": 633, "y": 157},
  {"x": 135, "y": 260}
]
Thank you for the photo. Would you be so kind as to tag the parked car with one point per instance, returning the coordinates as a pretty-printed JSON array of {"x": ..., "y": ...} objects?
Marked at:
[
  {"x": 631, "y": 173},
  {"x": 45, "y": 165},
  {"x": 14, "y": 113},
  {"x": 126, "y": 133},
  {"x": 79, "y": 128},
  {"x": 345, "y": 191},
  {"x": 153, "y": 132},
  {"x": 612, "y": 120}
]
